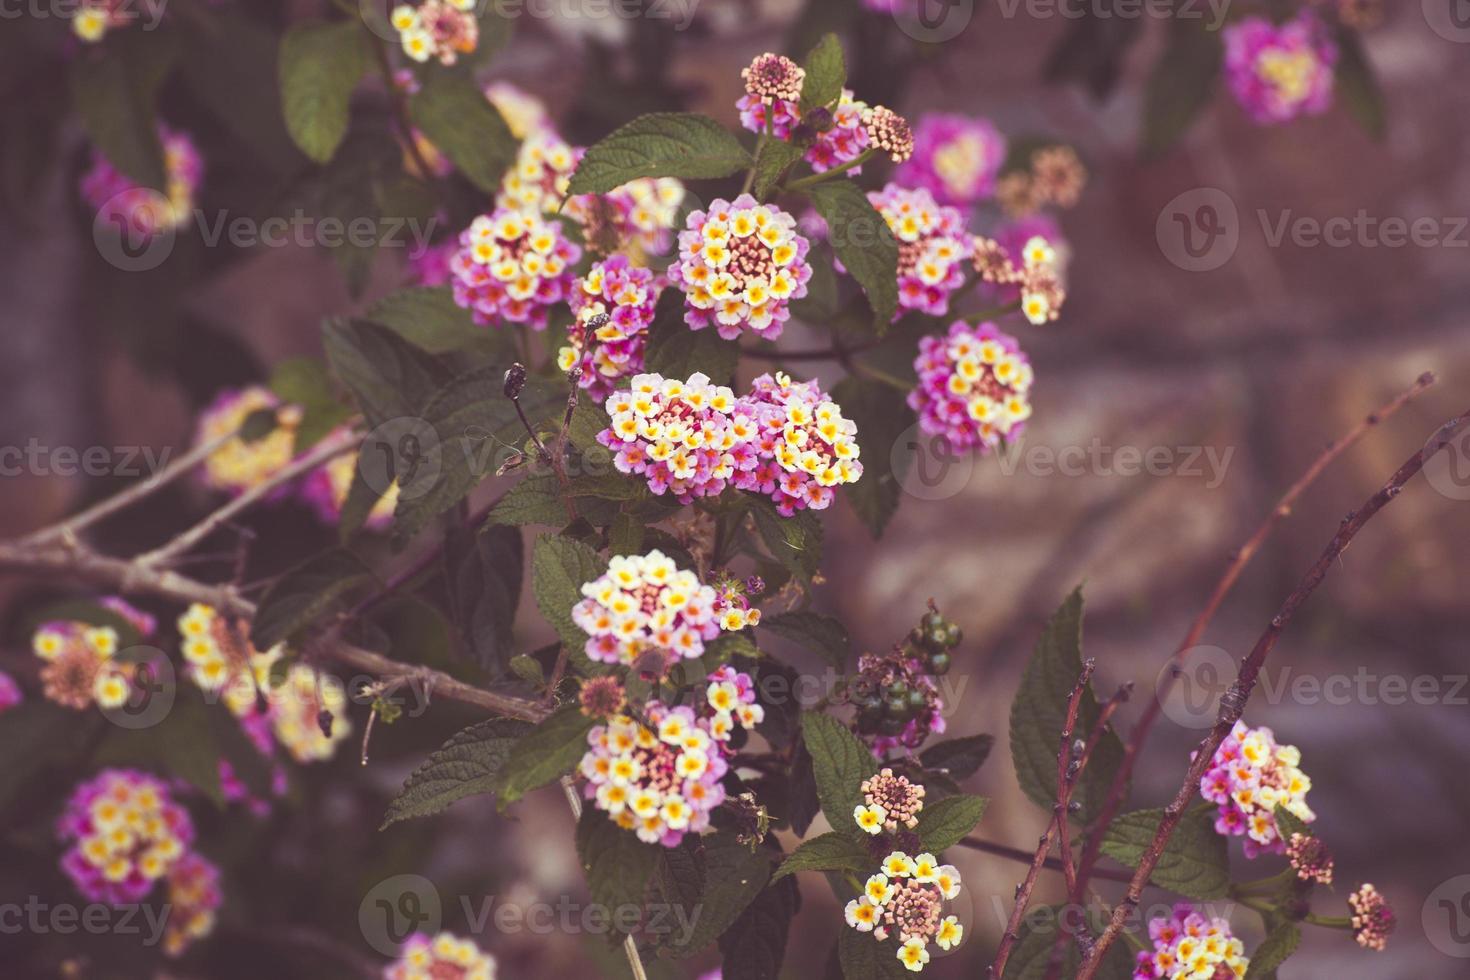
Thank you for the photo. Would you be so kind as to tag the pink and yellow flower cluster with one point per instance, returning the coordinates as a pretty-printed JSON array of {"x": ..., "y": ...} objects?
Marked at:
[
  {"x": 81, "y": 667},
  {"x": 933, "y": 247},
  {"x": 625, "y": 294},
  {"x": 956, "y": 158},
  {"x": 513, "y": 267},
  {"x": 442, "y": 29},
  {"x": 441, "y": 957},
  {"x": 141, "y": 212},
  {"x": 804, "y": 445},
  {"x": 237, "y": 464},
  {"x": 974, "y": 385},
  {"x": 1251, "y": 776},
  {"x": 1278, "y": 72},
  {"x": 1189, "y": 946}
]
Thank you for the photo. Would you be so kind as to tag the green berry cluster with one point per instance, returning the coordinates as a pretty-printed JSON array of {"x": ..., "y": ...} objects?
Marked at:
[{"x": 932, "y": 640}]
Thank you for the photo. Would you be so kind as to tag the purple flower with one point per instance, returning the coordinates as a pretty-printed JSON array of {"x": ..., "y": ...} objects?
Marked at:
[
  {"x": 1280, "y": 72},
  {"x": 956, "y": 158}
]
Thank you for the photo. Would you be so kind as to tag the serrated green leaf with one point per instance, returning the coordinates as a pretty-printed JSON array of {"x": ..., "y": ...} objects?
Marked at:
[
  {"x": 861, "y": 238},
  {"x": 865, "y": 958},
  {"x": 457, "y": 118},
  {"x": 840, "y": 763},
  {"x": 430, "y": 319},
  {"x": 535, "y": 500},
  {"x": 625, "y": 536},
  {"x": 882, "y": 415},
  {"x": 1195, "y": 862},
  {"x": 734, "y": 876},
  {"x": 485, "y": 571},
  {"x": 560, "y": 566},
  {"x": 113, "y": 88},
  {"x": 618, "y": 865},
  {"x": 320, "y": 65},
  {"x": 466, "y": 765},
  {"x": 774, "y": 158},
  {"x": 304, "y": 596},
  {"x": 945, "y": 823},
  {"x": 754, "y": 947},
  {"x": 822, "y": 635},
  {"x": 1181, "y": 84},
  {"x": 550, "y": 750},
  {"x": 826, "y": 73},
  {"x": 795, "y": 542},
  {"x": 680, "y": 877},
  {"x": 1040, "y": 709},
  {"x": 830, "y": 852},
  {"x": 958, "y": 757},
  {"x": 660, "y": 144},
  {"x": 675, "y": 351},
  {"x": 390, "y": 377},
  {"x": 1274, "y": 950}
]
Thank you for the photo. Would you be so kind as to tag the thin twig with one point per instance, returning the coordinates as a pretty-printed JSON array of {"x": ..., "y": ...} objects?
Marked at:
[
  {"x": 1119, "y": 786},
  {"x": 630, "y": 948},
  {"x": 1232, "y": 705},
  {"x": 1016, "y": 854}
]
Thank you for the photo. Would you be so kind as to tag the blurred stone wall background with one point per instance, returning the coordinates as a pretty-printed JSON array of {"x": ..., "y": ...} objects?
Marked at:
[{"x": 1264, "y": 358}]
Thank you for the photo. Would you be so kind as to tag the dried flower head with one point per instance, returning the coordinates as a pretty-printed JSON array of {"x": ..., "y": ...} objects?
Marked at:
[
  {"x": 1373, "y": 918},
  {"x": 601, "y": 697},
  {"x": 1058, "y": 175},
  {"x": 1310, "y": 858},
  {"x": 773, "y": 76},
  {"x": 889, "y": 132}
]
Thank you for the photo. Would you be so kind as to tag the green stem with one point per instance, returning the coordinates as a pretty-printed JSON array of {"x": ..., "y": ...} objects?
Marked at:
[
  {"x": 1329, "y": 921},
  {"x": 882, "y": 377},
  {"x": 802, "y": 183},
  {"x": 994, "y": 311}
]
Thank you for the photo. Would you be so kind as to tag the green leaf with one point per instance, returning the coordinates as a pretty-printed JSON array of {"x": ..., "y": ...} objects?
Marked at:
[
  {"x": 755, "y": 945},
  {"x": 181, "y": 744},
  {"x": 1031, "y": 956},
  {"x": 795, "y": 542},
  {"x": 830, "y": 852},
  {"x": 618, "y": 865},
  {"x": 113, "y": 88},
  {"x": 774, "y": 158},
  {"x": 320, "y": 65},
  {"x": 1274, "y": 950},
  {"x": 680, "y": 876},
  {"x": 822, "y": 635},
  {"x": 675, "y": 351},
  {"x": 560, "y": 566},
  {"x": 535, "y": 500},
  {"x": 660, "y": 144},
  {"x": 1288, "y": 823},
  {"x": 734, "y": 877},
  {"x": 945, "y": 823},
  {"x": 550, "y": 750},
  {"x": 1195, "y": 862},
  {"x": 485, "y": 575},
  {"x": 430, "y": 319},
  {"x": 840, "y": 763},
  {"x": 826, "y": 73},
  {"x": 958, "y": 757},
  {"x": 390, "y": 376},
  {"x": 864, "y": 958},
  {"x": 1181, "y": 85},
  {"x": 882, "y": 415},
  {"x": 528, "y": 669},
  {"x": 1040, "y": 709},
  {"x": 1357, "y": 84},
  {"x": 305, "y": 595},
  {"x": 625, "y": 536},
  {"x": 466, "y": 765},
  {"x": 861, "y": 238},
  {"x": 304, "y": 382},
  {"x": 457, "y": 118}
]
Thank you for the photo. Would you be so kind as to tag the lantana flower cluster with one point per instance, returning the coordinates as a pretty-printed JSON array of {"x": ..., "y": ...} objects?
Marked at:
[
  {"x": 646, "y": 604},
  {"x": 625, "y": 294},
  {"x": 889, "y": 801},
  {"x": 513, "y": 267},
  {"x": 237, "y": 465},
  {"x": 142, "y": 211},
  {"x": 733, "y": 602},
  {"x": 740, "y": 265},
  {"x": 956, "y": 158},
  {"x": 1373, "y": 919},
  {"x": 1189, "y": 946},
  {"x": 906, "y": 900},
  {"x": 441, "y": 957},
  {"x": 1053, "y": 175},
  {"x": 974, "y": 386},
  {"x": 806, "y": 448},
  {"x": 10, "y": 695},
  {"x": 933, "y": 247},
  {"x": 684, "y": 437},
  {"x": 637, "y": 218},
  {"x": 537, "y": 182},
  {"x": 1280, "y": 72},
  {"x": 662, "y": 780},
  {"x": 1025, "y": 264},
  {"x": 442, "y": 29},
  {"x": 81, "y": 668},
  {"x": 194, "y": 896},
  {"x": 1250, "y": 776}
]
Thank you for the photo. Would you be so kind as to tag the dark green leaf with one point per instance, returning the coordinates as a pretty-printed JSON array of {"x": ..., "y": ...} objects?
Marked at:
[
  {"x": 675, "y": 351},
  {"x": 734, "y": 876},
  {"x": 429, "y": 318},
  {"x": 680, "y": 877},
  {"x": 826, "y": 73},
  {"x": 304, "y": 382},
  {"x": 754, "y": 947},
  {"x": 1181, "y": 85},
  {"x": 1288, "y": 823},
  {"x": 796, "y": 541},
  {"x": 945, "y": 823},
  {"x": 829, "y": 852},
  {"x": 535, "y": 500},
  {"x": 1031, "y": 956},
  {"x": 1040, "y": 709},
  {"x": 181, "y": 744},
  {"x": 863, "y": 242},
  {"x": 1358, "y": 85},
  {"x": 661, "y": 144},
  {"x": 466, "y": 765},
  {"x": 882, "y": 416},
  {"x": 958, "y": 757},
  {"x": 1274, "y": 950},
  {"x": 486, "y": 570},
  {"x": 774, "y": 159},
  {"x": 320, "y": 65},
  {"x": 113, "y": 89},
  {"x": 618, "y": 865},
  {"x": 864, "y": 958},
  {"x": 391, "y": 378},
  {"x": 820, "y": 634},
  {"x": 840, "y": 763},
  {"x": 457, "y": 118},
  {"x": 305, "y": 595},
  {"x": 551, "y": 750},
  {"x": 802, "y": 791},
  {"x": 560, "y": 567},
  {"x": 1195, "y": 862},
  {"x": 625, "y": 536}
]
